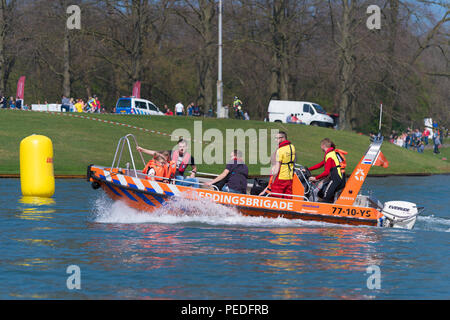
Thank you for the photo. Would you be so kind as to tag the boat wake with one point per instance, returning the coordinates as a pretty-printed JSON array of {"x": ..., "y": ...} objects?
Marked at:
[
  {"x": 432, "y": 223},
  {"x": 186, "y": 211}
]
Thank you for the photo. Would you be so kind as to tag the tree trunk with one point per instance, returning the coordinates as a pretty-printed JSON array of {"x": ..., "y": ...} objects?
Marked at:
[
  {"x": 347, "y": 66},
  {"x": 66, "y": 64},
  {"x": 138, "y": 17},
  {"x": 279, "y": 84}
]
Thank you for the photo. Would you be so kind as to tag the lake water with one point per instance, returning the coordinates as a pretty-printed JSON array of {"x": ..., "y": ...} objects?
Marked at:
[{"x": 211, "y": 252}]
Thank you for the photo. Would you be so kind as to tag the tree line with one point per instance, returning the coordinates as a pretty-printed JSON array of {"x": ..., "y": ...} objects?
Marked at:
[{"x": 311, "y": 50}]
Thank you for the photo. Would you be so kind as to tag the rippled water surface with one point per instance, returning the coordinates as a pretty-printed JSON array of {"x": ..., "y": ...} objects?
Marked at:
[{"x": 199, "y": 250}]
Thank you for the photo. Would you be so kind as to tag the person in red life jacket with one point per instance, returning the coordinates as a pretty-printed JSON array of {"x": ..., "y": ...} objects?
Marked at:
[
  {"x": 332, "y": 177},
  {"x": 183, "y": 159},
  {"x": 280, "y": 184}
]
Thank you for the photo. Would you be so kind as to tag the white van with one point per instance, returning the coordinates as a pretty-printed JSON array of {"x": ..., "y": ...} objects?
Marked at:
[
  {"x": 132, "y": 105},
  {"x": 308, "y": 113}
]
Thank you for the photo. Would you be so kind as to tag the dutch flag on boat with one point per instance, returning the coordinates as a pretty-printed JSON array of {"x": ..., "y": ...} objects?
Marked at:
[{"x": 367, "y": 161}]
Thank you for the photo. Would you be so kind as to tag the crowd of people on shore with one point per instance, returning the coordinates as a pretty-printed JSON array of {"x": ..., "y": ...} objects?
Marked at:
[
  {"x": 12, "y": 103},
  {"x": 92, "y": 105},
  {"x": 193, "y": 110},
  {"x": 419, "y": 139}
]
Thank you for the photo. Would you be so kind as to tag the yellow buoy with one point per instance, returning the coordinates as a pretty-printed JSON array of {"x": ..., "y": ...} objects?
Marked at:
[{"x": 36, "y": 167}]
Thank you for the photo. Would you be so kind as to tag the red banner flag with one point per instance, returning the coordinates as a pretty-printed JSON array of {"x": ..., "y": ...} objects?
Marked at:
[
  {"x": 21, "y": 88},
  {"x": 137, "y": 89},
  {"x": 381, "y": 161}
]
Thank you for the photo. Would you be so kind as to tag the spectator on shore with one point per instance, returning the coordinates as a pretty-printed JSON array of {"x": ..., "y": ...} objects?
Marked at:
[
  {"x": 420, "y": 146},
  {"x": 98, "y": 106},
  {"x": 179, "y": 109},
  {"x": 4, "y": 101},
  {"x": 190, "y": 109},
  {"x": 289, "y": 118},
  {"x": 168, "y": 112},
  {"x": 72, "y": 105},
  {"x": 425, "y": 135},
  {"x": 65, "y": 104},
  {"x": 246, "y": 116},
  {"x": 12, "y": 104},
  {"x": 79, "y": 106},
  {"x": 196, "y": 111},
  {"x": 436, "y": 141},
  {"x": 91, "y": 105}
]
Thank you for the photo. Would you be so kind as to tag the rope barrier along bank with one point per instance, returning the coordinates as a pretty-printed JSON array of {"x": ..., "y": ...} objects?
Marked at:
[{"x": 74, "y": 115}]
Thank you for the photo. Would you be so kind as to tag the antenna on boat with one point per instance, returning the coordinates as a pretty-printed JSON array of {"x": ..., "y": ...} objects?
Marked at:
[{"x": 379, "y": 123}]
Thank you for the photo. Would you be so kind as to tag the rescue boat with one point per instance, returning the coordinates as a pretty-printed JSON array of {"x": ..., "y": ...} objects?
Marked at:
[{"x": 350, "y": 207}]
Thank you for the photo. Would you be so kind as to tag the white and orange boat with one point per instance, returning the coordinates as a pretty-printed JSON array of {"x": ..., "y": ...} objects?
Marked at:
[{"x": 137, "y": 191}]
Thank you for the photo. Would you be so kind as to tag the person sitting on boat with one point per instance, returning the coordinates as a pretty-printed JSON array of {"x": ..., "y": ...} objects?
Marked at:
[
  {"x": 235, "y": 175},
  {"x": 280, "y": 184},
  {"x": 170, "y": 166},
  {"x": 332, "y": 175},
  {"x": 156, "y": 168},
  {"x": 182, "y": 160}
]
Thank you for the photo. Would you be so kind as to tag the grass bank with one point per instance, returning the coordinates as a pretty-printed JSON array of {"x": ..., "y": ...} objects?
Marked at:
[{"x": 78, "y": 142}]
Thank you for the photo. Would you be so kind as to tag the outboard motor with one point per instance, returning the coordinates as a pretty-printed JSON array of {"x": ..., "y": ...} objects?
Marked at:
[{"x": 400, "y": 214}]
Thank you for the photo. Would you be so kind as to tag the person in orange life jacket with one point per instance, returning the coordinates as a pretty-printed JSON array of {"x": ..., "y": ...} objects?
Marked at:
[
  {"x": 236, "y": 173},
  {"x": 182, "y": 159},
  {"x": 283, "y": 170},
  {"x": 156, "y": 168},
  {"x": 332, "y": 172},
  {"x": 170, "y": 166}
]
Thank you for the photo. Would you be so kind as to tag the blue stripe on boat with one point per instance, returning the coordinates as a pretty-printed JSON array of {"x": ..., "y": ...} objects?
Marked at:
[
  {"x": 128, "y": 194},
  {"x": 113, "y": 190},
  {"x": 143, "y": 197}
]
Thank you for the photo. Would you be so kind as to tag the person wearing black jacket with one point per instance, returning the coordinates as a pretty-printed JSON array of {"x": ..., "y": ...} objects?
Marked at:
[{"x": 234, "y": 177}]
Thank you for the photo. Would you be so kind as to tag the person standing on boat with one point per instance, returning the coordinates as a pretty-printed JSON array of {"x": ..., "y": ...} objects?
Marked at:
[
  {"x": 332, "y": 172},
  {"x": 235, "y": 175},
  {"x": 283, "y": 171}
]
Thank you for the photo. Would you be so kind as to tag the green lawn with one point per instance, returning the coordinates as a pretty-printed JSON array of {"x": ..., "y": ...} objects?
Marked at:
[{"x": 79, "y": 142}]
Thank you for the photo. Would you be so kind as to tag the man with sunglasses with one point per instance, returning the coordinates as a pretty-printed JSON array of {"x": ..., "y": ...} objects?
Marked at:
[{"x": 280, "y": 184}]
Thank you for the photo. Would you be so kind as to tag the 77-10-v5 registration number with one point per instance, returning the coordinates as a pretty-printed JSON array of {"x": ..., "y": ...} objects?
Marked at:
[{"x": 352, "y": 212}]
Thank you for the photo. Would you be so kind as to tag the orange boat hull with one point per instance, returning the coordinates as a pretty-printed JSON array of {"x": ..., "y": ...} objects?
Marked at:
[{"x": 146, "y": 195}]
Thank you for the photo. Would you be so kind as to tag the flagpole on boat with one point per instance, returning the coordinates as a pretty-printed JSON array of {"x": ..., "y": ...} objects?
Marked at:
[{"x": 379, "y": 123}]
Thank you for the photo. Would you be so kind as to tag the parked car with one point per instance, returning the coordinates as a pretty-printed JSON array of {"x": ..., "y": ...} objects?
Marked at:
[
  {"x": 131, "y": 105},
  {"x": 308, "y": 113}
]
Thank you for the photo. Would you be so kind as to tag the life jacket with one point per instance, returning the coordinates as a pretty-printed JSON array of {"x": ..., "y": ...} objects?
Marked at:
[
  {"x": 171, "y": 169},
  {"x": 341, "y": 157},
  {"x": 292, "y": 159},
  {"x": 333, "y": 155},
  {"x": 184, "y": 162},
  {"x": 160, "y": 170}
]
